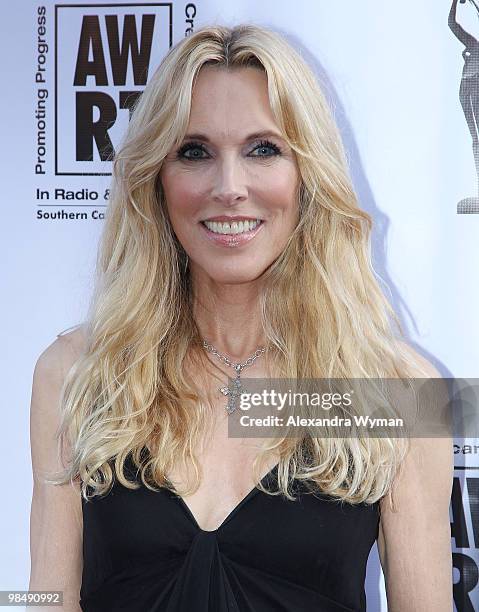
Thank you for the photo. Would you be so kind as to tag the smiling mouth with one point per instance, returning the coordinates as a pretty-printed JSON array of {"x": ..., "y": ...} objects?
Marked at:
[{"x": 231, "y": 229}]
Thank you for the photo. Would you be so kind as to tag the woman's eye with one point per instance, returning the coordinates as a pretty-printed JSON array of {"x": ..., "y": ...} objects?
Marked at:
[
  {"x": 267, "y": 145},
  {"x": 190, "y": 147}
]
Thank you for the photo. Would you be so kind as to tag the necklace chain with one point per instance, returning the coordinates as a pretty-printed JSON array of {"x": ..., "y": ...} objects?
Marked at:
[{"x": 227, "y": 361}]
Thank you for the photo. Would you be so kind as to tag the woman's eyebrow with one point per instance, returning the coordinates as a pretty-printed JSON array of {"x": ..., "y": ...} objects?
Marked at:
[{"x": 261, "y": 134}]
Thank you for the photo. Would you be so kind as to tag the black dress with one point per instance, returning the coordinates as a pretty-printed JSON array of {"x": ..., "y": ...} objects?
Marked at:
[{"x": 143, "y": 551}]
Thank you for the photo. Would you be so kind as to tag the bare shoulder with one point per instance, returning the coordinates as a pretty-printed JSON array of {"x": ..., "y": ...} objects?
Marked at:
[
  {"x": 51, "y": 368},
  {"x": 60, "y": 355},
  {"x": 72, "y": 342},
  {"x": 420, "y": 366},
  {"x": 75, "y": 336}
]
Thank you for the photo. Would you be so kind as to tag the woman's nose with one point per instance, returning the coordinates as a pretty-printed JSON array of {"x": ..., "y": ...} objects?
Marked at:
[{"x": 229, "y": 181}]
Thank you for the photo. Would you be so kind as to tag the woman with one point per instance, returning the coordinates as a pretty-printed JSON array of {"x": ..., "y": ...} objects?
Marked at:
[{"x": 172, "y": 513}]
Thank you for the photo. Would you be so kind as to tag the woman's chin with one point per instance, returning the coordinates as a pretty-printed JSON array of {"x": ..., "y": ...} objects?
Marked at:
[{"x": 234, "y": 275}]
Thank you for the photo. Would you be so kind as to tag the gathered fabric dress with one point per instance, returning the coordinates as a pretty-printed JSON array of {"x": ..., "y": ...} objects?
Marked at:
[{"x": 143, "y": 551}]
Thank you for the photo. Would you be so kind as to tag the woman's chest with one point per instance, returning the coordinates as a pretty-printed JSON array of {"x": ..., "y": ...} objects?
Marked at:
[
  {"x": 226, "y": 475},
  {"x": 224, "y": 456}
]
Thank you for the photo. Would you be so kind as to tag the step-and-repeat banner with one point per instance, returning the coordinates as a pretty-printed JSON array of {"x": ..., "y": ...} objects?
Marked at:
[{"x": 402, "y": 79}]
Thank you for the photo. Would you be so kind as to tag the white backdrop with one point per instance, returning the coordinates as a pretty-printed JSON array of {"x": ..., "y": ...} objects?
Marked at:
[{"x": 392, "y": 72}]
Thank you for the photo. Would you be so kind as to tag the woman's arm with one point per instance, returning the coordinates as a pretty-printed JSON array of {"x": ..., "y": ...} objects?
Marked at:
[
  {"x": 56, "y": 517},
  {"x": 458, "y": 30},
  {"x": 414, "y": 542}
]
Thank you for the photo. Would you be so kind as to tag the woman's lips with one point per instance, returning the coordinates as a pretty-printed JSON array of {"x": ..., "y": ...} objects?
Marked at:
[{"x": 232, "y": 240}]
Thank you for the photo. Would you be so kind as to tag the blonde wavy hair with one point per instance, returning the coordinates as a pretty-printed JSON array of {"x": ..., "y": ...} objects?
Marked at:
[{"x": 322, "y": 309}]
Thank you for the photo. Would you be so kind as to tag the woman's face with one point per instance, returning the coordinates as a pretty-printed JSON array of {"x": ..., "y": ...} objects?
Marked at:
[{"x": 224, "y": 168}]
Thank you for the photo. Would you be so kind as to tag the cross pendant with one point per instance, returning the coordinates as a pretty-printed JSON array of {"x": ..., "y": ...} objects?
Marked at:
[{"x": 236, "y": 390}]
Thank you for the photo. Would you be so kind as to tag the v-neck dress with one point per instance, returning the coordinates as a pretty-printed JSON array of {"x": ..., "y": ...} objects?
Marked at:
[{"x": 143, "y": 551}]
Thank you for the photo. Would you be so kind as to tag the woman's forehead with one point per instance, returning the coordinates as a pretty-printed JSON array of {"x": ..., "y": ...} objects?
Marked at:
[
  {"x": 215, "y": 85},
  {"x": 224, "y": 109}
]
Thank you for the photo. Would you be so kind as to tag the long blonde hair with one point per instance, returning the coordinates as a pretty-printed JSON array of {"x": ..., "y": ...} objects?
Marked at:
[{"x": 322, "y": 309}]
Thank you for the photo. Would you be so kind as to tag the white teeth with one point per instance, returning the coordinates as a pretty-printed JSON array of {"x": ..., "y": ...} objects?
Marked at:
[{"x": 233, "y": 228}]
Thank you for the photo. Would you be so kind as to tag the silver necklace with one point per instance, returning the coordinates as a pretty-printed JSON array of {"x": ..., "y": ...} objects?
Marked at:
[{"x": 237, "y": 388}]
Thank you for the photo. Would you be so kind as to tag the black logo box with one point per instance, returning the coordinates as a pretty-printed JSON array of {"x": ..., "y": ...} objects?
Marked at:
[{"x": 89, "y": 7}]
